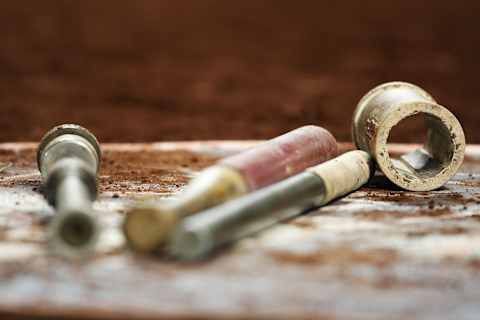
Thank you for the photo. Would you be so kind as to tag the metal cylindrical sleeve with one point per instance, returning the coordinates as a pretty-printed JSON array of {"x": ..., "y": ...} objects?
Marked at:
[{"x": 283, "y": 156}]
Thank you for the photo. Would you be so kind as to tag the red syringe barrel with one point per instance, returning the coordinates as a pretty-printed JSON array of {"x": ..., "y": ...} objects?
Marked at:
[
  {"x": 148, "y": 228},
  {"x": 283, "y": 156}
]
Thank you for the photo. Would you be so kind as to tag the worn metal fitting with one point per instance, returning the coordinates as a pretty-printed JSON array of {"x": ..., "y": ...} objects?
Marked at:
[
  {"x": 147, "y": 227},
  {"x": 430, "y": 166},
  {"x": 198, "y": 235},
  {"x": 68, "y": 158}
]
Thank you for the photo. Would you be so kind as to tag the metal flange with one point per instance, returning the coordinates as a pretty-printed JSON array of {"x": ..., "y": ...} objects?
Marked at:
[
  {"x": 69, "y": 159},
  {"x": 426, "y": 168},
  {"x": 65, "y": 130}
]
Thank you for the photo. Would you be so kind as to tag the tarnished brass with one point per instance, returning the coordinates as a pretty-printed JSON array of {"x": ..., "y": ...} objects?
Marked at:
[
  {"x": 426, "y": 168},
  {"x": 148, "y": 226}
]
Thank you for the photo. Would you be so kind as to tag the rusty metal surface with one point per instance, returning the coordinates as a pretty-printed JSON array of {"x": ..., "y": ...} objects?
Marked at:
[{"x": 378, "y": 253}]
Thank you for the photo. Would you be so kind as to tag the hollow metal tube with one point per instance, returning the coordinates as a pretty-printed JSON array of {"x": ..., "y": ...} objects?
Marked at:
[
  {"x": 430, "y": 166},
  {"x": 147, "y": 227},
  {"x": 200, "y": 234}
]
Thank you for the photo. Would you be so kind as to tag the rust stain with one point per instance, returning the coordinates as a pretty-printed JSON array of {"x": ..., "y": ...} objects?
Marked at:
[
  {"x": 23, "y": 158},
  {"x": 449, "y": 230},
  {"x": 370, "y": 129},
  {"x": 343, "y": 255},
  {"x": 395, "y": 215},
  {"x": 153, "y": 171},
  {"x": 302, "y": 223}
]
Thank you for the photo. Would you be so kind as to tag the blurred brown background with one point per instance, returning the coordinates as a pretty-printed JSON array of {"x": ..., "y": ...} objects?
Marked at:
[{"x": 188, "y": 70}]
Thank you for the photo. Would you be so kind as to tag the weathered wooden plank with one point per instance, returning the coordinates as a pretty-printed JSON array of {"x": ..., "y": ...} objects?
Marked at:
[{"x": 379, "y": 253}]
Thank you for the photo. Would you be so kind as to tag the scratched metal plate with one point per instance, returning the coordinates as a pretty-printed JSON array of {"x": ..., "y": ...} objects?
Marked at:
[{"x": 379, "y": 253}]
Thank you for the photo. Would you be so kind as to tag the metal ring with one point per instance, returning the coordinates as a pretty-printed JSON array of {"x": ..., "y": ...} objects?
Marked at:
[{"x": 426, "y": 168}]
